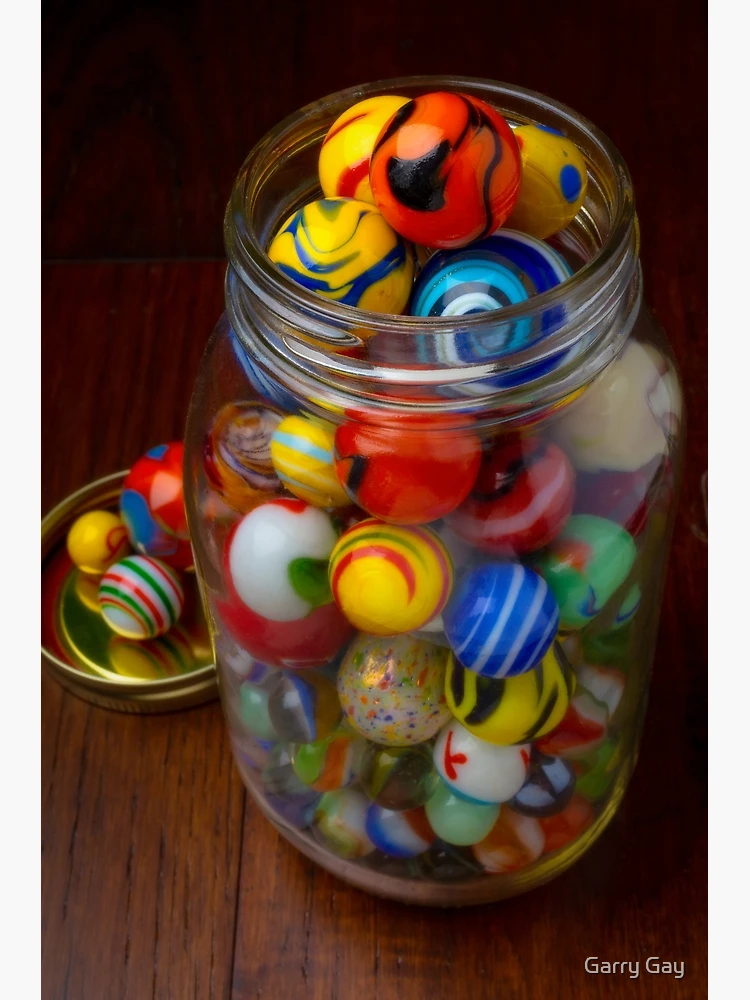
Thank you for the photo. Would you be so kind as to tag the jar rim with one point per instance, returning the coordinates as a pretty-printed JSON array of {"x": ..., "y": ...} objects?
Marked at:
[{"x": 249, "y": 258}]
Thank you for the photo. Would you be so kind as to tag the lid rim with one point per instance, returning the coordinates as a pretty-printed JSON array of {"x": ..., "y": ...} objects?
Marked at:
[{"x": 120, "y": 694}]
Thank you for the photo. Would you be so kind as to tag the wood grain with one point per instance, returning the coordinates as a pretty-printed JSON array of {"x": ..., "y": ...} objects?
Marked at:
[
  {"x": 142, "y": 816},
  {"x": 143, "y": 821},
  {"x": 160, "y": 879}
]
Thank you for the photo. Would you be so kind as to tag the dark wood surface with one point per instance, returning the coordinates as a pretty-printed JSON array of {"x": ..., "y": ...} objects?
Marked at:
[{"x": 160, "y": 879}]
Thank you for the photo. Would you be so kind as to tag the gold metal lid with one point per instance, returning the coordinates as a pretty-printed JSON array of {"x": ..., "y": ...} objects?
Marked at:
[{"x": 79, "y": 649}]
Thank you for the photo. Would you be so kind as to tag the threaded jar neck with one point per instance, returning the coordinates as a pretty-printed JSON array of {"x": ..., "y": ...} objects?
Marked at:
[{"x": 323, "y": 349}]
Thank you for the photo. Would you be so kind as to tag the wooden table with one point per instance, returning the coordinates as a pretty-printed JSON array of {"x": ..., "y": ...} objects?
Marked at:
[{"x": 160, "y": 879}]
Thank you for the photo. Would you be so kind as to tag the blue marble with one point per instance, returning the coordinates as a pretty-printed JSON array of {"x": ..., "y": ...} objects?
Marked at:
[
  {"x": 505, "y": 269},
  {"x": 501, "y": 619}
]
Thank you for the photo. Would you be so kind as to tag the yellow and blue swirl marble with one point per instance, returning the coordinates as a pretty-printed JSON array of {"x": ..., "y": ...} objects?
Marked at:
[
  {"x": 553, "y": 181},
  {"x": 344, "y": 250}
]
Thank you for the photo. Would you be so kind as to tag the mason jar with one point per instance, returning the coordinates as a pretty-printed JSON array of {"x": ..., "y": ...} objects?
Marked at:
[{"x": 432, "y": 565}]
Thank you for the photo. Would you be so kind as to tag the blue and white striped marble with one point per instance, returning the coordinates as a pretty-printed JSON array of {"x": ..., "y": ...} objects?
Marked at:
[{"x": 501, "y": 619}]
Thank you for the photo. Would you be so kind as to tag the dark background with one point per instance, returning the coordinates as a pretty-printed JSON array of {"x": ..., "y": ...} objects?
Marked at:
[{"x": 159, "y": 877}]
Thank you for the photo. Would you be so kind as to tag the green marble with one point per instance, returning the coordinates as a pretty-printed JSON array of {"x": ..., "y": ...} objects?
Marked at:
[
  {"x": 585, "y": 565},
  {"x": 329, "y": 763},
  {"x": 607, "y": 649},
  {"x": 597, "y": 780},
  {"x": 458, "y": 821},
  {"x": 254, "y": 712}
]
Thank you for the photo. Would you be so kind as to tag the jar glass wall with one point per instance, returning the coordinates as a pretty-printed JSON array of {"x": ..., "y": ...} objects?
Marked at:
[{"x": 433, "y": 565}]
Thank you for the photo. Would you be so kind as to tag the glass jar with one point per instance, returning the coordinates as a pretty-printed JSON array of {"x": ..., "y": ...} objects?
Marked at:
[{"x": 373, "y": 655}]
